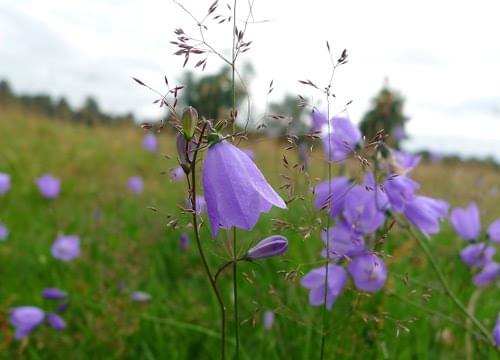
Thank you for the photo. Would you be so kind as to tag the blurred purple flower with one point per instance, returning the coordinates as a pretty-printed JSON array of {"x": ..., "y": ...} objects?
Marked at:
[
  {"x": 343, "y": 241},
  {"x": 184, "y": 241},
  {"x": 140, "y": 296},
  {"x": 342, "y": 140},
  {"x": 26, "y": 319},
  {"x": 314, "y": 280},
  {"x": 477, "y": 255},
  {"x": 318, "y": 120},
  {"x": 49, "y": 186},
  {"x": 400, "y": 189},
  {"x": 4, "y": 183},
  {"x": 66, "y": 247},
  {"x": 4, "y": 232},
  {"x": 56, "y": 321},
  {"x": 496, "y": 331},
  {"x": 360, "y": 210},
  {"x": 177, "y": 174},
  {"x": 53, "y": 294},
  {"x": 489, "y": 273},
  {"x": 435, "y": 157},
  {"x": 425, "y": 213},
  {"x": 201, "y": 204},
  {"x": 268, "y": 319},
  {"x": 272, "y": 246},
  {"x": 466, "y": 222},
  {"x": 406, "y": 161},
  {"x": 150, "y": 142},
  {"x": 399, "y": 133},
  {"x": 236, "y": 192},
  {"x": 135, "y": 184},
  {"x": 494, "y": 231},
  {"x": 340, "y": 187},
  {"x": 380, "y": 196},
  {"x": 368, "y": 272}
]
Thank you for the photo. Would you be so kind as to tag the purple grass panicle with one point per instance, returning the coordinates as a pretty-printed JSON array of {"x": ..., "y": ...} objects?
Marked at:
[
  {"x": 150, "y": 143},
  {"x": 368, "y": 272},
  {"x": 272, "y": 246},
  {"x": 4, "y": 183},
  {"x": 477, "y": 255},
  {"x": 25, "y": 319},
  {"x": 135, "y": 184},
  {"x": 235, "y": 190},
  {"x": 425, "y": 213},
  {"x": 66, "y": 247},
  {"x": 53, "y": 294},
  {"x": 314, "y": 280},
  {"x": 466, "y": 222},
  {"x": 48, "y": 186}
]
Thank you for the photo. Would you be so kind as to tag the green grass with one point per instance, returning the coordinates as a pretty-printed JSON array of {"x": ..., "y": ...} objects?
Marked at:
[{"x": 131, "y": 243}]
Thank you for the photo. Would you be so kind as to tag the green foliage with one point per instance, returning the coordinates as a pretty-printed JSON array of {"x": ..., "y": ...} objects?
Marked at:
[{"x": 386, "y": 114}]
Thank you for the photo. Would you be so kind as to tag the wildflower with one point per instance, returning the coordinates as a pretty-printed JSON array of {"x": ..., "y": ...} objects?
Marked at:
[
  {"x": 318, "y": 121},
  {"x": 66, "y": 247},
  {"x": 425, "y": 213},
  {"x": 48, "y": 186},
  {"x": 404, "y": 162},
  {"x": 56, "y": 321},
  {"x": 332, "y": 200},
  {"x": 314, "y": 280},
  {"x": 494, "y": 231},
  {"x": 140, "y": 296},
  {"x": 360, "y": 210},
  {"x": 201, "y": 204},
  {"x": 4, "y": 183},
  {"x": 477, "y": 255},
  {"x": 496, "y": 331},
  {"x": 268, "y": 319},
  {"x": 489, "y": 273},
  {"x": 343, "y": 241},
  {"x": 4, "y": 232},
  {"x": 272, "y": 246},
  {"x": 26, "y": 319},
  {"x": 177, "y": 174},
  {"x": 342, "y": 139},
  {"x": 466, "y": 222},
  {"x": 150, "y": 143},
  {"x": 236, "y": 192},
  {"x": 53, "y": 294},
  {"x": 400, "y": 189},
  {"x": 184, "y": 241},
  {"x": 368, "y": 272},
  {"x": 135, "y": 184}
]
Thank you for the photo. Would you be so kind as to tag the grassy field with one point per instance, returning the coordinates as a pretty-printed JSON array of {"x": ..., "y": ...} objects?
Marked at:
[{"x": 125, "y": 242}]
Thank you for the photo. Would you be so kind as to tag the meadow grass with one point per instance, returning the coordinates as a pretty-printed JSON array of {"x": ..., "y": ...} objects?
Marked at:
[{"x": 124, "y": 241}]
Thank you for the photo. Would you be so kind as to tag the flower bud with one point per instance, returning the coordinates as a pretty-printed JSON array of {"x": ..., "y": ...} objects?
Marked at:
[
  {"x": 189, "y": 120},
  {"x": 53, "y": 294},
  {"x": 272, "y": 246}
]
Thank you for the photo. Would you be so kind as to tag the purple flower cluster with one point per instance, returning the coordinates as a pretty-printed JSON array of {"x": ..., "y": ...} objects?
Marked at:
[
  {"x": 26, "y": 319},
  {"x": 479, "y": 254}
]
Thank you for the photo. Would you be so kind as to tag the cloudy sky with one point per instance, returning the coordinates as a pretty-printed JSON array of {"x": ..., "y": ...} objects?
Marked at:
[{"x": 444, "y": 56}]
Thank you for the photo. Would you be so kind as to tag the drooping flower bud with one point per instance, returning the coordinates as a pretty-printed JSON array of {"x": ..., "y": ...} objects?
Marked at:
[
  {"x": 189, "y": 120},
  {"x": 272, "y": 246}
]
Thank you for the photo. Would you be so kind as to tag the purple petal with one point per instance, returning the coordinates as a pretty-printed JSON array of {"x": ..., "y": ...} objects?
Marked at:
[
  {"x": 466, "y": 222},
  {"x": 494, "y": 231}
]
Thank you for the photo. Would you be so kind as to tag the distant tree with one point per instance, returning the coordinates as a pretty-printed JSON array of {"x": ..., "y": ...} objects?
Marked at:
[
  {"x": 63, "y": 110},
  {"x": 387, "y": 114},
  {"x": 211, "y": 95},
  {"x": 89, "y": 113},
  {"x": 6, "y": 95}
]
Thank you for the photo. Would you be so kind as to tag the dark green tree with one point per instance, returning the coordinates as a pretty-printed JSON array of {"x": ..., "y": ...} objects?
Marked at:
[{"x": 387, "y": 114}]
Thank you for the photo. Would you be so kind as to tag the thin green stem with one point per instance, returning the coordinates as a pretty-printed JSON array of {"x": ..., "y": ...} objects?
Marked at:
[
  {"x": 235, "y": 293},
  {"x": 192, "y": 185},
  {"x": 446, "y": 286},
  {"x": 471, "y": 307}
]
